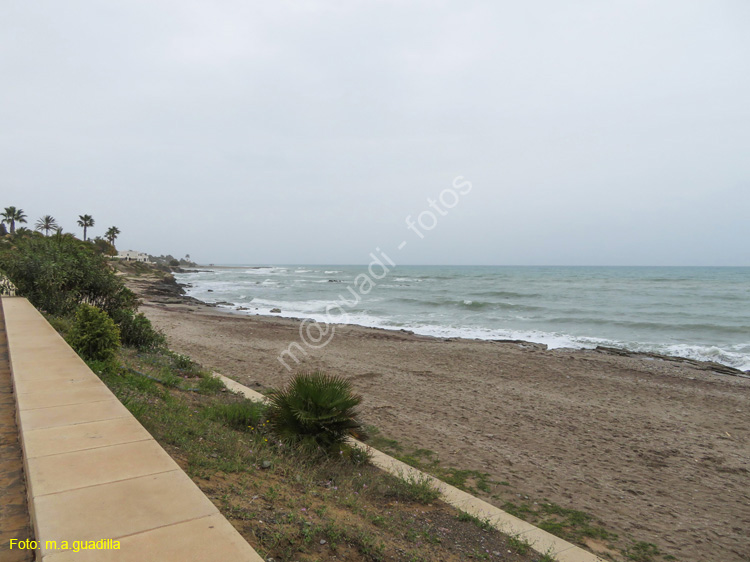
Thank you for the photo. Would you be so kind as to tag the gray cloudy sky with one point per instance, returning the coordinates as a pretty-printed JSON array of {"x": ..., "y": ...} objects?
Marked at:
[{"x": 593, "y": 132}]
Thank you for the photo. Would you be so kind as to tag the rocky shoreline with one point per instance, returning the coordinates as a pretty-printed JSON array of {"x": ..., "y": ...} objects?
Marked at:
[{"x": 166, "y": 290}]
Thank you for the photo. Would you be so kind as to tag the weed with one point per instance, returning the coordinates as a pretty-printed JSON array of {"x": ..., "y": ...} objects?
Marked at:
[
  {"x": 380, "y": 442},
  {"x": 334, "y": 534},
  {"x": 243, "y": 415},
  {"x": 521, "y": 511},
  {"x": 210, "y": 385},
  {"x": 518, "y": 545},
  {"x": 547, "y": 557},
  {"x": 483, "y": 524},
  {"x": 642, "y": 552},
  {"x": 183, "y": 363},
  {"x": 168, "y": 378},
  {"x": 355, "y": 455},
  {"x": 411, "y": 487}
]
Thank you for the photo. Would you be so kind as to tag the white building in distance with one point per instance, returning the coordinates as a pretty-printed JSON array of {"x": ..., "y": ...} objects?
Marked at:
[{"x": 132, "y": 255}]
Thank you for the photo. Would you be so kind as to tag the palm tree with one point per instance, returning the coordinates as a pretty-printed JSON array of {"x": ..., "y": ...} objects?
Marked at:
[
  {"x": 12, "y": 216},
  {"x": 46, "y": 223},
  {"x": 85, "y": 221},
  {"x": 111, "y": 235}
]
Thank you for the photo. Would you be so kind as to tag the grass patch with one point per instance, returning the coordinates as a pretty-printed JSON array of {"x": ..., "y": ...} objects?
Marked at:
[
  {"x": 471, "y": 481},
  {"x": 210, "y": 385},
  {"x": 242, "y": 414},
  {"x": 483, "y": 524},
  {"x": 411, "y": 487},
  {"x": 642, "y": 552}
]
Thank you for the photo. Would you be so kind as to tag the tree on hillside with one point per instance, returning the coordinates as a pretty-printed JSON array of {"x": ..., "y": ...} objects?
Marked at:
[
  {"x": 23, "y": 231},
  {"x": 85, "y": 221},
  {"x": 111, "y": 235},
  {"x": 46, "y": 223},
  {"x": 102, "y": 246},
  {"x": 3, "y": 230},
  {"x": 12, "y": 216}
]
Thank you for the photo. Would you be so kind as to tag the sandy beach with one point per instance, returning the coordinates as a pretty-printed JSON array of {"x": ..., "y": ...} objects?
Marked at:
[{"x": 657, "y": 450}]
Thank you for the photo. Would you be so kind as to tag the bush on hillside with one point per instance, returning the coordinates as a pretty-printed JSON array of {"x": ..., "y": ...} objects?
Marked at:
[
  {"x": 101, "y": 246},
  {"x": 94, "y": 335},
  {"x": 136, "y": 330},
  {"x": 57, "y": 273},
  {"x": 315, "y": 412}
]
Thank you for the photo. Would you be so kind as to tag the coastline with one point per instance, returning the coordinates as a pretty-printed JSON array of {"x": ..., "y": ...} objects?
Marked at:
[
  {"x": 175, "y": 294},
  {"x": 654, "y": 446}
]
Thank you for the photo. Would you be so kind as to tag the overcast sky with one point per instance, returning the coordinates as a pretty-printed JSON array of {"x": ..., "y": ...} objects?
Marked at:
[{"x": 601, "y": 133}]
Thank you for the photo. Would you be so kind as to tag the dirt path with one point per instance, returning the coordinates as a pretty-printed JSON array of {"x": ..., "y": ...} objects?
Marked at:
[{"x": 658, "y": 451}]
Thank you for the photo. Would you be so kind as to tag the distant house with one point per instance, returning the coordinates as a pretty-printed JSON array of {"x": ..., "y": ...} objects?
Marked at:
[{"x": 132, "y": 255}]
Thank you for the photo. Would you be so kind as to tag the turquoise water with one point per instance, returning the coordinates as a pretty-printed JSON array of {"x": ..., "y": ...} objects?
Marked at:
[{"x": 697, "y": 312}]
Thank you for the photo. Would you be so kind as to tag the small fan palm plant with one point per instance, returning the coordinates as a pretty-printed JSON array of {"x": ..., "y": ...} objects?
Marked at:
[{"x": 315, "y": 412}]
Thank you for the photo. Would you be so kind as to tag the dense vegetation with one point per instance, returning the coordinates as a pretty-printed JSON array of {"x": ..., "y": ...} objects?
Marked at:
[{"x": 58, "y": 273}]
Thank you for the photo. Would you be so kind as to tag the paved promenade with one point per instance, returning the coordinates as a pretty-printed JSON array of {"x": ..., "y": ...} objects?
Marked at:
[{"x": 93, "y": 472}]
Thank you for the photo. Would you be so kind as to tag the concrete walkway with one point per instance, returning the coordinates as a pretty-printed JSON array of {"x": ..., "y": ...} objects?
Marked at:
[{"x": 93, "y": 472}]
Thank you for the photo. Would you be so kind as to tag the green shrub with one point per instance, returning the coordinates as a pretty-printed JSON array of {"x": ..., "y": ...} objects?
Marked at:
[
  {"x": 94, "y": 335},
  {"x": 103, "y": 368},
  {"x": 184, "y": 363},
  {"x": 136, "y": 330},
  {"x": 57, "y": 273},
  {"x": 315, "y": 412},
  {"x": 355, "y": 455},
  {"x": 242, "y": 415},
  {"x": 62, "y": 324},
  {"x": 210, "y": 385}
]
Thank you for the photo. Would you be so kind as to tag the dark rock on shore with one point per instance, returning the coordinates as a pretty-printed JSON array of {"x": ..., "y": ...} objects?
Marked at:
[{"x": 702, "y": 365}]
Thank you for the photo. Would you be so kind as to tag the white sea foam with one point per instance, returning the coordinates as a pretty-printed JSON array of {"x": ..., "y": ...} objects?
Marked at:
[
  {"x": 677, "y": 311},
  {"x": 265, "y": 271}
]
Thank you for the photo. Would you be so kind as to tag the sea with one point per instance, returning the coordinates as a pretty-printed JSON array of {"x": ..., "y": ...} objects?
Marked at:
[{"x": 695, "y": 312}]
